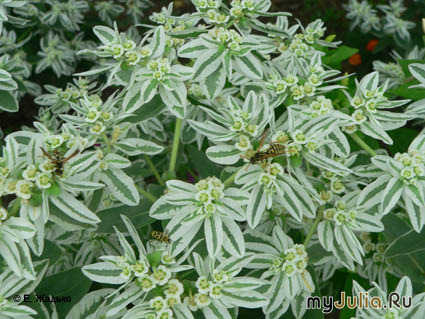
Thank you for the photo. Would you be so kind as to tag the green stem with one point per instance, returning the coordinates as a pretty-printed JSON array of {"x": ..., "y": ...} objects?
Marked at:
[
  {"x": 315, "y": 224},
  {"x": 15, "y": 208},
  {"x": 230, "y": 179},
  {"x": 154, "y": 170},
  {"x": 196, "y": 102},
  {"x": 187, "y": 274},
  {"x": 175, "y": 149},
  {"x": 363, "y": 144},
  {"x": 147, "y": 195},
  {"x": 107, "y": 142}
]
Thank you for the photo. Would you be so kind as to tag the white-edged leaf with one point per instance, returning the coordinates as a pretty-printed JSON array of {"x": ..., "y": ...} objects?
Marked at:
[
  {"x": 213, "y": 234},
  {"x": 121, "y": 186},
  {"x": 104, "y": 272},
  {"x": 223, "y": 154},
  {"x": 135, "y": 146},
  {"x": 326, "y": 235},
  {"x": 256, "y": 206},
  {"x": 391, "y": 194},
  {"x": 206, "y": 64},
  {"x": 74, "y": 208},
  {"x": 233, "y": 241}
]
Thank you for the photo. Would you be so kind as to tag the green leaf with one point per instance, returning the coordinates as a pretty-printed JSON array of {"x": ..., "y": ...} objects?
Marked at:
[
  {"x": 412, "y": 264},
  {"x": 213, "y": 234},
  {"x": 213, "y": 85},
  {"x": 121, "y": 186},
  {"x": 73, "y": 208},
  {"x": 51, "y": 252},
  {"x": 402, "y": 138},
  {"x": 408, "y": 243},
  {"x": 147, "y": 110},
  {"x": 405, "y": 66},
  {"x": 54, "y": 190},
  {"x": 104, "y": 272},
  {"x": 139, "y": 216},
  {"x": 391, "y": 195},
  {"x": 223, "y": 154},
  {"x": 89, "y": 304},
  {"x": 136, "y": 146},
  {"x": 337, "y": 56},
  {"x": 256, "y": 206},
  {"x": 409, "y": 93},
  {"x": 105, "y": 34},
  {"x": 70, "y": 283},
  {"x": 206, "y": 64},
  {"x": 8, "y": 102},
  {"x": 201, "y": 163}
]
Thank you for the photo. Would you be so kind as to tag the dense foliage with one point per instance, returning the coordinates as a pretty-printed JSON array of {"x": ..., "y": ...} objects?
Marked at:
[{"x": 214, "y": 164}]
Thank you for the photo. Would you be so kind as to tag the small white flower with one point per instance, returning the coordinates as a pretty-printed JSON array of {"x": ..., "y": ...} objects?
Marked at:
[
  {"x": 23, "y": 189},
  {"x": 55, "y": 140},
  {"x": 129, "y": 45},
  {"x": 146, "y": 282},
  {"x": 266, "y": 179},
  {"x": 190, "y": 302},
  {"x": 174, "y": 287},
  {"x": 30, "y": 173},
  {"x": 299, "y": 137},
  {"x": 202, "y": 300},
  {"x": 358, "y": 116},
  {"x": 220, "y": 277},
  {"x": 92, "y": 115},
  {"x": 4, "y": 171},
  {"x": 98, "y": 128},
  {"x": 161, "y": 274},
  {"x": 215, "y": 291},
  {"x": 158, "y": 303},
  {"x": 275, "y": 169},
  {"x": 3, "y": 214},
  {"x": 140, "y": 268},
  {"x": 203, "y": 196},
  {"x": 145, "y": 52},
  {"x": 297, "y": 92},
  {"x": 164, "y": 314},
  {"x": 43, "y": 180},
  {"x": 339, "y": 218},
  {"x": 166, "y": 259},
  {"x": 126, "y": 272},
  {"x": 117, "y": 50},
  {"x": 244, "y": 143},
  {"x": 203, "y": 284},
  {"x": 133, "y": 57},
  {"x": 172, "y": 300}
]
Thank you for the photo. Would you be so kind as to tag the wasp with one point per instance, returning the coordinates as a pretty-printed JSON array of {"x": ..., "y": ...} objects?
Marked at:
[
  {"x": 274, "y": 149},
  {"x": 161, "y": 236},
  {"x": 58, "y": 160}
]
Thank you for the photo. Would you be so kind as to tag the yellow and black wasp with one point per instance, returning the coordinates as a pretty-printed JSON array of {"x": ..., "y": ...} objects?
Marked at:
[
  {"x": 58, "y": 160},
  {"x": 161, "y": 236},
  {"x": 274, "y": 149}
]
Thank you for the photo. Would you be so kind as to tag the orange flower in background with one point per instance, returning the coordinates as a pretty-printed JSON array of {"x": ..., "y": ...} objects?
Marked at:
[
  {"x": 355, "y": 59},
  {"x": 371, "y": 45}
]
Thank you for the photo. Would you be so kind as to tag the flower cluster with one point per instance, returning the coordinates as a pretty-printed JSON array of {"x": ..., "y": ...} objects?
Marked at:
[
  {"x": 226, "y": 139},
  {"x": 366, "y": 17}
]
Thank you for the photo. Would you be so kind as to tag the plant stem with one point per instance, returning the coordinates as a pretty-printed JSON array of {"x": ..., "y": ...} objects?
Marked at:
[
  {"x": 363, "y": 144},
  {"x": 154, "y": 170},
  {"x": 230, "y": 179},
  {"x": 196, "y": 102},
  {"x": 107, "y": 142},
  {"x": 15, "y": 208},
  {"x": 147, "y": 195},
  {"x": 174, "y": 151},
  {"x": 315, "y": 224}
]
